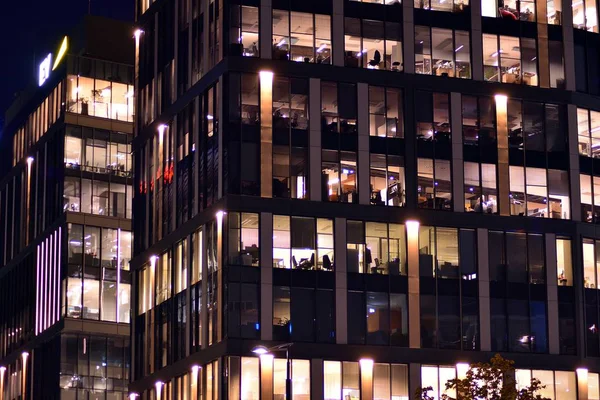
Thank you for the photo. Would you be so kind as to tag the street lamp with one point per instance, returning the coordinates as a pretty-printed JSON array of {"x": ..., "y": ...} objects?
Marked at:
[{"x": 262, "y": 350}]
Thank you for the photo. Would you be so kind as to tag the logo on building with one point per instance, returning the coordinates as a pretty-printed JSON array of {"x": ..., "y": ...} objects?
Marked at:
[{"x": 45, "y": 69}]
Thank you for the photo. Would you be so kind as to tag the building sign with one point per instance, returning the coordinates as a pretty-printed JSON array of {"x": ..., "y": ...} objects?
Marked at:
[
  {"x": 61, "y": 52},
  {"x": 45, "y": 69},
  {"x": 46, "y": 65}
]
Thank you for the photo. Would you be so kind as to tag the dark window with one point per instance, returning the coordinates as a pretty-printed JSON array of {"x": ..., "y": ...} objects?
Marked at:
[{"x": 356, "y": 318}]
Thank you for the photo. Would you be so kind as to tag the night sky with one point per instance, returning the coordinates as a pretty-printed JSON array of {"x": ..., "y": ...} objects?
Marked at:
[{"x": 29, "y": 28}]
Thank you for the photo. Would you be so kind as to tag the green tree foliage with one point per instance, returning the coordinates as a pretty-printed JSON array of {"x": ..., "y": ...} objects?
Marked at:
[{"x": 494, "y": 380}]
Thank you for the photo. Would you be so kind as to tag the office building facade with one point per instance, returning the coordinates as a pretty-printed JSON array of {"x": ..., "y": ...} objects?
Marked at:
[
  {"x": 395, "y": 188},
  {"x": 65, "y": 222}
]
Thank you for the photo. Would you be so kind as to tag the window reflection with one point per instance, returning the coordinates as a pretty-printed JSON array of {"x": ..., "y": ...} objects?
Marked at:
[
  {"x": 301, "y": 37},
  {"x": 244, "y": 31},
  {"x": 442, "y": 5},
  {"x": 100, "y": 98},
  {"x": 373, "y": 44},
  {"x": 243, "y": 239},
  {"x": 442, "y": 52},
  {"x": 295, "y": 240},
  {"x": 98, "y": 150},
  {"x": 510, "y": 59},
  {"x": 585, "y": 15},
  {"x": 94, "y": 287},
  {"x": 387, "y": 180}
]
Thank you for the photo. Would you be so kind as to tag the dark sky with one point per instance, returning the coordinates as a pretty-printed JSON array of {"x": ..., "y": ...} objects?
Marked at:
[{"x": 29, "y": 28}]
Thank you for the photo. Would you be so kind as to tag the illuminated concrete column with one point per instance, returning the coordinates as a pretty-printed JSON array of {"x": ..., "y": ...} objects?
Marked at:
[
  {"x": 151, "y": 302},
  {"x": 476, "y": 41},
  {"x": 582, "y": 384},
  {"x": 363, "y": 184},
  {"x": 366, "y": 379},
  {"x": 341, "y": 283},
  {"x": 337, "y": 25},
  {"x": 28, "y": 205},
  {"x": 552, "y": 294},
  {"x": 458, "y": 170},
  {"x": 266, "y": 276},
  {"x": 158, "y": 386},
  {"x": 483, "y": 278},
  {"x": 502, "y": 134},
  {"x": 265, "y": 28},
  {"x": 568, "y": 44},
  {"x": 414, "y": 300},
  {"x": 137, "y": 34},
  {"x": 408, "y": 32},
  {"x": 160, "y": 168},
  {"x": 266, "y": 134},
  {"x": 266, "y": 377},
  {"x": 194, "y": 381},
  {"x": 24, "y": 357},
  {"x": 574, "y": 180},
  {"x": 220, "y": 215},
  {"x": 2, "y": 374},
  {"x": 314, "y": 140}
]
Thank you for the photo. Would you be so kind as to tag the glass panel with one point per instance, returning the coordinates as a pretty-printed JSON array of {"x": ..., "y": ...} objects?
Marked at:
[
  {"x": 332, "y": 379},
  {"x": 250, "y": 388}
]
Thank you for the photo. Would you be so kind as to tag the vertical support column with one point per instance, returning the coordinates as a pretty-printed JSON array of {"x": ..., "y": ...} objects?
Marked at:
[
  {"x": 220, "y": 126},
  {"x": 568, "y": 44},
  {"x": 196, "y": 134},
  {"x": 266, "y": 134},
  {"x": 338, "y": 33},
  {"x": 194, "y": 382},
  {"x": 266, "y": 377},
  {"x": 582, "y": 384},
  {"x": 364, "y": 194},
  {"x": 458, "y": 170},
  {"x": 205, "y": 53},
  {"x": 314, "y": 140},
  {"x": 483, "y": 275},
  {"x": 341, "y": 283},
  {"x": 219, "y": 310},
  {"x": 204, "y": 294},
  {"x": 2, "y": 375},
  {"x": 265, "y": 28},
  {"x": 24, "y": 357},
  {"x": 266, "y": 276},
  {"x": 476, "y": 41},
  {"x": 366, "y": 379},
  {"x": 552, "y": 294},
  {"x": 408, "y": 32},
  {"x": 414, "y": 299},
  {"x": 575, "y": 194},
  {"x": 414, "y": 377},
  {"x": 502, "y": 133},
  {"x": 188, "y": 295},
  {"x": 542, "y": 31},
  {"x": 316, "y": 382}
]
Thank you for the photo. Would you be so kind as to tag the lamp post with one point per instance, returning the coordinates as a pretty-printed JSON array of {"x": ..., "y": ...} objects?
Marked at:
[{"x": 262, "y": 350}]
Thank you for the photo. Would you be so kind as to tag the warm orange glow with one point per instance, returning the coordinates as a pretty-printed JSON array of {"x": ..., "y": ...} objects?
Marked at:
[
  {"x": 366, "y": 378},
  {"x": 461, "y": 370},
  {"x": 24, "y": 356},
  {"x": 158, "y": 385},
  {"x": 501, "y": 98},
  {"x": 266, "y": 133},
  {"x": 2, "y": 373}
]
